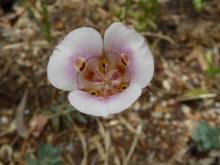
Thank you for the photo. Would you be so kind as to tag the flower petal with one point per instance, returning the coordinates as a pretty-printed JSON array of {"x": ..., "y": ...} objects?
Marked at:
[
  {"x": 124, "y": 100},
  {"x": 119, "y": 39},
  {"x": 61, "y": 72},
  {"x": 98, "y": 106},
  {"x": 87, "y": 103},
  {"x": 82, "y": 42}
]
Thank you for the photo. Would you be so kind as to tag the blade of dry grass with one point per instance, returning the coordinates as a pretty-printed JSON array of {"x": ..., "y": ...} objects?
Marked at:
[
  {"x": 20, "y": 125},
  {"x": 84, "y": 145},
  {"x": 133, "y": 145}
]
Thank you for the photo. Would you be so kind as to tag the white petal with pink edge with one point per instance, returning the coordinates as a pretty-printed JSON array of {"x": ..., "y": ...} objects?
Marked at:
[
  {"x": 61, "y": 72},
  {"x": 82, "y": 42},
  {"x": 87, "y": 103},
  {"x": 119, "y": 39},
  {"x": 97, "y": 106},
  {"x": 120, "y": 102}
]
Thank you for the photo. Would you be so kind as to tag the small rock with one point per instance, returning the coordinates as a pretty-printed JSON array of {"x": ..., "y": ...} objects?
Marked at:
[
  {"x": 157, "y": 139},
  {"x": 214, "y": 154},
  {"x": 6, "y": 152},
  {"x": 155, "y": 121},
  {"x": 217, "y": 104},
  {"x": 185, "y": 110},
  {"x": 163, "y": 132},
  {"x": 185, "y": 78},
  {"x": 167, "y": 116},
  {"x": 4, "y": 120},
  {"x": 166, "y": 85},
  {"x": 164, "y": 103},
  {"x": 209, "y": 102},
  {"x": 174, "y": 123},
  {"x": 152, "y": 99},
  {"x": 206, "y": 161},
  {"x": 70, "y": 147},
  {"x": 166, "y": 122},
  {"x": 157, "y": 115},
  {"x": 137, "y": 106},
  {"x": 27, "y": 112}
]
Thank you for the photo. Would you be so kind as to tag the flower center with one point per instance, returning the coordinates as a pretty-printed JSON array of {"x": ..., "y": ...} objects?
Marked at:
[{"x": 103, "y": 76}]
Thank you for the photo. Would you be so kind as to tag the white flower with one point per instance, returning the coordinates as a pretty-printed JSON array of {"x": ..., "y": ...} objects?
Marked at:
[{"x": 103, "y": 78}]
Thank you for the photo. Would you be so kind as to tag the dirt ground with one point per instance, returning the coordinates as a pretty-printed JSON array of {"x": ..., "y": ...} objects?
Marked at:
[{"x": 156, "y": 130}]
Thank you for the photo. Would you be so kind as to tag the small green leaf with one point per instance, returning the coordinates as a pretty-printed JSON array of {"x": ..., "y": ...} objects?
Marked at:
[
  {"x": 46, "y": 24},
  {"x": 47, "y": 155},
  {"x": 206, "y": 137},
  {"x": 197, "y": 93},
  {"x": 213, "y": 71},
  {"x": 56, "y": 122},
  {"x": 199, "y": 5}
]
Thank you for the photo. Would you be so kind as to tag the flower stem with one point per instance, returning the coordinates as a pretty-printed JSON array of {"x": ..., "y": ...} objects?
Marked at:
[{"x": 127, "y": 6}]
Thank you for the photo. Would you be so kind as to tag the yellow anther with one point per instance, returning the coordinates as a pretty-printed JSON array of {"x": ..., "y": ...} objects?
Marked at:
[
  {"x": 94, "y": 92},
  {"x": 123, "y": 86},
  {"x": 103, "y": 64}
]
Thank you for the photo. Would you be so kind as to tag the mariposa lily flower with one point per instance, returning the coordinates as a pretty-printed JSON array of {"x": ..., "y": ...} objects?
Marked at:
[{"x": 104, "y": 77}]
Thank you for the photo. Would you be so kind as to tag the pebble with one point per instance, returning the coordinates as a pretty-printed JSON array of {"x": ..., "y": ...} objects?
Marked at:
[
  {"x": 214, "y": 154},
  {"x": 208, "y": 102},
  {"x": 175, "y": 123},
  {"x": 152, "y": 99},
  {"x": 27, "y": 112},
  {"x": 157, "y": 139},
  {"x": 70, "y": 147},
  {"x": 206, "y": 161},
  {"x": 166, "y": 85},
  {"x": 157, "y": 115},
  {"x": 167, "y": 116},
  {"x": 217, "y": 104},
  {"x": 185, "y": 78},
  {"x": 163, "y": 132},
  {"x": 164, "y": 103},
  {"x": 137, "y": 106},
  {"x": 6, "y": 152},
  {"x": 185, "y": 110},
  {"x": 4, "y": 120}
]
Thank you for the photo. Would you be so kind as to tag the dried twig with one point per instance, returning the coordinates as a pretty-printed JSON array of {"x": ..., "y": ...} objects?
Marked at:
[
  {"x": 107, "y": 141},
  {"x": 127, "y": 125},
  {"x": 160, "y": 36},
  {"x": 133, "y": 145},
  {"x": 83, "y": 141},
  {"x": 21, "y": 128}
]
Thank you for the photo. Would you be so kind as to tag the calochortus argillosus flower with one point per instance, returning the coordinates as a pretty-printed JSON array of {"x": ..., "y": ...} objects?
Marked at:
[{"x": 104, "y": 77}]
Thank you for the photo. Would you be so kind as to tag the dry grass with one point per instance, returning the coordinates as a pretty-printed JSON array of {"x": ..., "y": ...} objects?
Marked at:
[{"x": 155, "y": 130}]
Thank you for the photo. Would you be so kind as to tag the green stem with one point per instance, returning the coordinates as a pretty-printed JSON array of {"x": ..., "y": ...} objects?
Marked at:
[{"x": 127, "y": 6}]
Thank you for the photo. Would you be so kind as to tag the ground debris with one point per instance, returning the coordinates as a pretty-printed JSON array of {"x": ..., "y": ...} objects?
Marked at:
[{"x": 156, "y": 130}]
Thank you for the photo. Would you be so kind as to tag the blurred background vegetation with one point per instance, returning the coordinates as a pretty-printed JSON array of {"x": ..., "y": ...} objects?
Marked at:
[{"x": 177, "y": 126}]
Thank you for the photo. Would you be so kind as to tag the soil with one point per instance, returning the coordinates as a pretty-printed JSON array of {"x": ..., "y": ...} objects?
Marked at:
[{"x": 155, "y": 130}]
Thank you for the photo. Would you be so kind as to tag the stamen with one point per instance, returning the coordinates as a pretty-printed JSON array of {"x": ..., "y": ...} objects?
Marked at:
[
  {"x": 103, "y": 76},
  {"x": 92, "y": 91},
  {"x": 125, "y": 59},
  {"x": 103, "y": 64},
  {"x": 80, "y": 64},
  {"x": 123, "y": 86}
]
